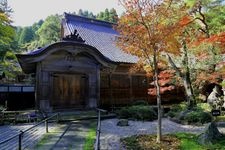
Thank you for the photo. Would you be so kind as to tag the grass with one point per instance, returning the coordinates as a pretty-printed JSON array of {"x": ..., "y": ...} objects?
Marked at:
[
  {"x": 90, "y": 138},
  {"x": 45, "y": 138},
  {"x": 188, "y": 141},
  {"x": 178, "y": 141},
  {"x": 220, "y": 118}
]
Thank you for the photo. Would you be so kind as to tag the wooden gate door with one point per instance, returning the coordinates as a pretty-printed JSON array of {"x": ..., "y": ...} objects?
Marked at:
[{"x": 68, "y": 91}]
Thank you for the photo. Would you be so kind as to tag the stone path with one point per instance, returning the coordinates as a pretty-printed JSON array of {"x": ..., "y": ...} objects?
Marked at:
[
  {"x": 111, "y": 133},
  {"x": 69, "y": 136}
]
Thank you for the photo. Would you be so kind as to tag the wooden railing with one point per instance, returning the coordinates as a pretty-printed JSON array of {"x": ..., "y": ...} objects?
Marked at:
[
  {"x": 21, "y": 133},
  {"x": 97, "y": 142}
]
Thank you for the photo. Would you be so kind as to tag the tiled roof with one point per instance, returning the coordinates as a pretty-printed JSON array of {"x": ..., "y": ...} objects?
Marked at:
[{"x": 99, "y": 34}]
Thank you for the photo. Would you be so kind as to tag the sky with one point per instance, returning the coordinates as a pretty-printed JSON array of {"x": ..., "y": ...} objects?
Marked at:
[{"x": 26, "y": 12}]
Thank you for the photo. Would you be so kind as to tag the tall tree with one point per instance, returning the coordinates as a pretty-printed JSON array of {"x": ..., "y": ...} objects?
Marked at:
[
  {"x": 148, "y": 30},
  {"x": 80, "y": 12},
  {"x": 196, "y": 28},
  {"x": 113, "y": 17},
  {"x": 100, "y": 16},
  {"x": 107, "y": 15},
  {"x": 207, "y": 55},
  {"x": 49, "y": 32},
  {"x": 7, "y": 33},
  {"x": 26, "y": 36}
]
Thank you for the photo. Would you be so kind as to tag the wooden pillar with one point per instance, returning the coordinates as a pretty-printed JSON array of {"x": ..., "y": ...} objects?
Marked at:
[
  {"x": 110, "y": 90},
  {"x": 98, "y": 85},
  {"x": 37, "y": 84},
  {"x": 131, "y": 88}
]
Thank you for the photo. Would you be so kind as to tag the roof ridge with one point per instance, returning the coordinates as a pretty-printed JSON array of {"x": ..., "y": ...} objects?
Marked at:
[{"x": 68, "y": 16}]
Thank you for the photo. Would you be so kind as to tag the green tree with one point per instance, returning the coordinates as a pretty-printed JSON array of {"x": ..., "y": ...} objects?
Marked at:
[
  {"x": 210, "y": 15},
  {"x": 7, "y": 32},
  {"x": 26, "y": 36},
  {"x": 110, "y": 16},
  {"x": 106, "y": 15},
  {"x": 91, "y": 15},
  {"x": 36, "y": 26},
  {"x": 49, "y": 32},
  {"x": 113, "y": 17},
  {"x": 80, "y": 12},
  {"x": 100, "y": 16},
  {"x": 205, "y": 57},
  {"x": 86, "y": 13}
]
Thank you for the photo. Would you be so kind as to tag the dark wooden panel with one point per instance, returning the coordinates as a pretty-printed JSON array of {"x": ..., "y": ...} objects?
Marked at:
[
  {"x": 139, "y": 87},
  {"x": 68, "y": 90}
]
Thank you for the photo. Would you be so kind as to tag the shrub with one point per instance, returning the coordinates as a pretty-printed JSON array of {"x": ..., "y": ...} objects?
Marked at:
[
  {"x": 199, "y": 114},
  {"x": 198, "y": 117},
  {"x": 140, "y": 102},
  {"x": 138, "y": 112},
  {"x": 204, "y": 106},
  {"x": 124, "y": 113},
  {"x": 176, "y": 109}
]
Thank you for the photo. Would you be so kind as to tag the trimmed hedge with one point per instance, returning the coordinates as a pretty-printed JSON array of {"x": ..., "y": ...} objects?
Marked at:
[{"x": 137, "y": 112}]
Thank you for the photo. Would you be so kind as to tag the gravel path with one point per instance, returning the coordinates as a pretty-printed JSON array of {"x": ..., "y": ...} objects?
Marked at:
[{"x": 111, "y": 133}]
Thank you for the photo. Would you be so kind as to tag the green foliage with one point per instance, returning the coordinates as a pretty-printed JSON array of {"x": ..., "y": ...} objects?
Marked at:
[
  {"x": 140, "y": 102},
  {"x": 131, "y": 143},
  {"x": 197, "y": 117},
  {"x": 186, "y": 141},
  {"x": 90, "y": 138},
  {"x": 85, "y": 13},
  {"x": 108, "y": 15},
  {"x": 113, "y": 17},
  {"x": 204, "y": 107},
  {"x": 215, "y": 12},
  {"x": 26, "y": 36},
  {"x": 138, "y": 112},
  {"x": 7, "y": 33},
  {"x": 49, "y": 32},
  {"x": 10, "y": 66},
  {"x": 175, "y": 109},
  {"x": 199, "y": 114}
]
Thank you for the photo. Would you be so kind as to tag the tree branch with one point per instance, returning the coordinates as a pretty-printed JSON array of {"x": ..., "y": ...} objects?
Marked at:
[{"x": 174, "y": 66}]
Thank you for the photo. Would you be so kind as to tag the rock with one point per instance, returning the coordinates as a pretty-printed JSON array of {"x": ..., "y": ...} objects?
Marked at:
[
  {"x": 210, "y": 135},
  {"x": 122, "y": 122},
  {"x": 214, "y": 98}
]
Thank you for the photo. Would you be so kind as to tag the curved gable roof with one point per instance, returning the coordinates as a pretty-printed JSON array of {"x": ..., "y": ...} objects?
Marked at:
[
  {"x": 99, "y": 34},
  {"x": 28, "y": 61}
]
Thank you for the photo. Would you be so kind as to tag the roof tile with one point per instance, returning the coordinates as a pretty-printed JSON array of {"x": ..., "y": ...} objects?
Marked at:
[{"x": 99, "y": 34}]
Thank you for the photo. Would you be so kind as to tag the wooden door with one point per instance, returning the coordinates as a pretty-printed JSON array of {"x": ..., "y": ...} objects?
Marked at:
[{"x": 68, "y": 91}]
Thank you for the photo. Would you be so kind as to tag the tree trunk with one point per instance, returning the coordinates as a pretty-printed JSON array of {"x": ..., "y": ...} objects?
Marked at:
[
  {"x": 186, "y": 81},
  {"x": 189, "y": 92},
  {"x": 156, "y": 82},
  {"x": 186, "y": 78}
]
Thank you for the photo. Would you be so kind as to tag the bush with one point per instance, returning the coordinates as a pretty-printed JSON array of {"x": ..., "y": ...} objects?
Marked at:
[
  {"x": 198, "y": 117},
  {"x": 204, "y": 106},
  {"x": 140, "y": 102},
  {"x": 176, "y": 109},
  {"x": 138, "y": 112},
  {"x": 199, "y": 114}
]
